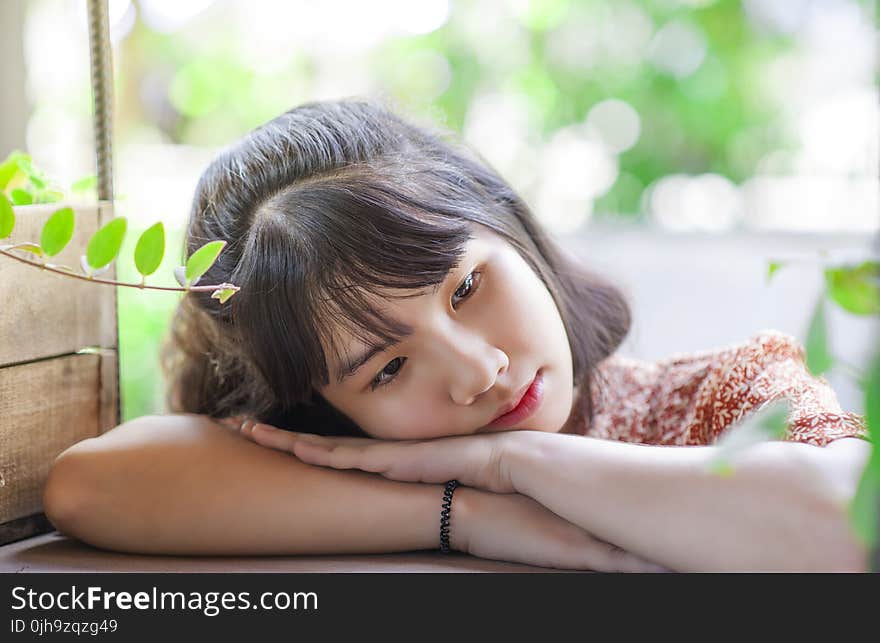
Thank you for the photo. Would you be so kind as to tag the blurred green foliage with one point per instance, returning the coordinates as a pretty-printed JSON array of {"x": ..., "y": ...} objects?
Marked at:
[
  {"x": 197, "y": 85},
  {"x": 143, "y": 316},
  {"x": 854, "y": 287},
  {"x": 24, "y": 184},
  {"x": 722, "y": 118},
  {"x": 143, "y": 322}
]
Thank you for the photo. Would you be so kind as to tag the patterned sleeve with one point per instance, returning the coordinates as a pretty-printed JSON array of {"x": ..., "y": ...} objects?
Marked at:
[{"x": 692, "y": 398}]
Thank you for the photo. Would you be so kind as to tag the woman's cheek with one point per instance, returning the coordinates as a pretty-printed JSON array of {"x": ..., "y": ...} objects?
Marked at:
[
  {"x": 397, "y": 420},
  {"x": 416, "y": 421}
]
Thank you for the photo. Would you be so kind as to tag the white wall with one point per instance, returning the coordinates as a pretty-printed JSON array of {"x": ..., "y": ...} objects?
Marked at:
[
  {"x": 693, "y": 292},
  {"x": 14, "y": 108}
]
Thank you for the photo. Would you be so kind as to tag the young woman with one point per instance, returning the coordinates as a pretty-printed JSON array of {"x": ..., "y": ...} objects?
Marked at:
[{"x": 399, "y": 299}]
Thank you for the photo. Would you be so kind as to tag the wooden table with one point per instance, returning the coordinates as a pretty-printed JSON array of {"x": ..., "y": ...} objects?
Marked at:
[{"x": 54, "y": 552}]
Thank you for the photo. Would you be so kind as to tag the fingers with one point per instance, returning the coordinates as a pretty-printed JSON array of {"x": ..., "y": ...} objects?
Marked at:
[
  {"x": 367, "y": 454},
  {"x": 630, "y": 563},
  {"x": 281, "y": 440},
  {"x": 607, "y": 557},
  {"x": 263, "y": 430},
  {"x": 231, "y": 422},
  {"x": 313, "y": 449},
  {"x": 275, "y": 438}
]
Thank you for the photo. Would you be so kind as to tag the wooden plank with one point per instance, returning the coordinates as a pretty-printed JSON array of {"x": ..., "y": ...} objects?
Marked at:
[
  {"x": 56, "y": 553},
  {"x": 46, "y": 314},
  {"x": 22, "y": 528},
  {"x": 45, "y": 407},
  {"x": 108, "y": 404},
  {"x": 52, "y": 393}
]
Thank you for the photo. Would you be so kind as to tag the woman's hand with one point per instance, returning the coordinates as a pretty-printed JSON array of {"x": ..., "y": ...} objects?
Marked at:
[
  {"x": 501, "y": 526},
  {"x": 519, "y": 529},
  {"x": 474, "y": 460}
]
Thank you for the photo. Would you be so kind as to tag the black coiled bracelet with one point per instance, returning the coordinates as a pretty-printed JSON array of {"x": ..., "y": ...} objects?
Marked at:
[{"x": 444, "y": 515}]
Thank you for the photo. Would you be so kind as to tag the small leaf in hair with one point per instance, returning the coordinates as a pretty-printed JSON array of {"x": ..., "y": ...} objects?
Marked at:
[
  {"x": 202, "y": 259},
  {"x": 223, "y": 294}
]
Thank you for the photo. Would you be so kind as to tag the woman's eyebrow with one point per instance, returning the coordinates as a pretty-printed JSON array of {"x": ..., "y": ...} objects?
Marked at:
[{"x": 350, "y": 365}]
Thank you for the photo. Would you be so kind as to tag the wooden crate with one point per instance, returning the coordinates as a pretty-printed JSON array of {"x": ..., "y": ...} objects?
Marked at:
[{"x": 58, "y": 364}]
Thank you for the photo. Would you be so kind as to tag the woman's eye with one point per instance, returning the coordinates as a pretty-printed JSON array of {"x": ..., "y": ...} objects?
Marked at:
[
  {"x": 467, "y": 286},
  {"x": 389, "y": 374},
  {"x": 381, "y": 380}
]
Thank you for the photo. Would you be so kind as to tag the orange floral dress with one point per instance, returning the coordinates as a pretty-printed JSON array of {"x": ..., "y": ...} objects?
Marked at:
[{"x": 691, "y": 398}]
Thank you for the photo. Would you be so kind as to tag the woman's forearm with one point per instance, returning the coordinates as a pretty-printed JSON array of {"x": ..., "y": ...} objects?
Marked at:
[
  {"x": 661, "y": 502},
  {"x": 182, "y": 484}
]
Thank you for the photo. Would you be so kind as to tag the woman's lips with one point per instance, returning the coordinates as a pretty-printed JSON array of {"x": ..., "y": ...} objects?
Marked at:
[{"x": 529, "y": 403}]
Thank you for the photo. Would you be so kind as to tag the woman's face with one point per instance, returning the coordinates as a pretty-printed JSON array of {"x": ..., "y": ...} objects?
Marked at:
[{"x": 477, "y": 341}]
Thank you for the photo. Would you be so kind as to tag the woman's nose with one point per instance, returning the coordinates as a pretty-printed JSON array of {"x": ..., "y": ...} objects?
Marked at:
[{"x": 473, "y": 369}]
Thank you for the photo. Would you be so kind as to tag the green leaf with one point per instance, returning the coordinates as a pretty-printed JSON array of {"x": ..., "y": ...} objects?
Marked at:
[
  {"x": 29, "y": 247},
  {"x": 721, "y": 468},
  {"x": 26, "y": 165},
  {"x": 84, "y": 184},
  {"x": 856, "y": 289},
  {"x": 57, "y": 232},
  {"x": 10, "y": 168},
  {"x": 772, "y": 267},
  {"x": 773, "y": 421},
  {"x": 863, "y": 509},
  {"x": 223, "y": 294},
  {"x": 36, "y": 177},
  {"x": 819, "y": 358},
  {"x": 767, "y": 423},
  {"x": 150, "y": 249},
  {"x": 21, "y": 196},
  {"x": 48, "y": 196},
  {"x": 202, "y": 259},
  {"x": 7, "y": 217},
  {"x": 106, "y": 243},
  {"x": 872, "y": 399}
]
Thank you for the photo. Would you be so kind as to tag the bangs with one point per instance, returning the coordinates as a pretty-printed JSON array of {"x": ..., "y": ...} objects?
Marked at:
[
  {"x": 407, "y": 255},
  {"x": 323, "y": 256}
]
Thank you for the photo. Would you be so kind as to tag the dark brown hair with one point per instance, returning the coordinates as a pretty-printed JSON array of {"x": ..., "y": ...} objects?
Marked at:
[{"x": 322, "y": 207}]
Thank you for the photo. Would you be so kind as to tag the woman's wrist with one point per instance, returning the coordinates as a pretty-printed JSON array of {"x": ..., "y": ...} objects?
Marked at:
[{"x": 459, "y": 517}]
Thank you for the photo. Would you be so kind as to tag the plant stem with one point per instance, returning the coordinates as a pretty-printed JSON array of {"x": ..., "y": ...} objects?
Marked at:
[{"x": 110, "y": 282}]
